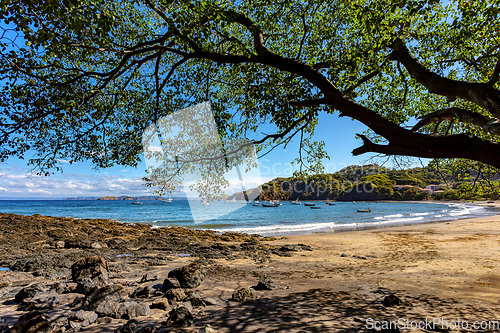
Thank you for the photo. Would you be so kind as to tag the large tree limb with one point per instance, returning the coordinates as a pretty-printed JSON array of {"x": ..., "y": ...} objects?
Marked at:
[
  {"x": 481, "y": 94},
  {"x": 426, "y": 146},
  {"x": 488, "y": 124}
]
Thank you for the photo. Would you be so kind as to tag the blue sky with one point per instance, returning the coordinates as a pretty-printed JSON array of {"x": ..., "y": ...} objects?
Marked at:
[{"x": 83, "y": 180}]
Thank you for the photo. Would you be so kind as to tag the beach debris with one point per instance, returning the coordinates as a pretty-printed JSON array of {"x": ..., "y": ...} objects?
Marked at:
[
  {"x": 89, "y": 273},
  {"x": 243, "y": 295},
  {"x": 148, "y": 277},
  {"x": 169, "y": 283},
  {"x": 82, "y": 318},
  {"x": 32, "y": 322},
  {"x": 180, "y": 316},
  {"x": 265, "y": 283},
  {"x": 190, "y": 276}
]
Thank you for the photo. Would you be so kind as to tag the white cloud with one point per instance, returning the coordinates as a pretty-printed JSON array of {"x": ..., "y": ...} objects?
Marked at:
[{"x": 14, "y": 182}]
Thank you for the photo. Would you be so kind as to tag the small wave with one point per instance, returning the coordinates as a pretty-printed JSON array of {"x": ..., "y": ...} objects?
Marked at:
[
  {"x": 392, "y": 216},
  {"x": 378, "y": 217},
  {"x": 419, "y": 214},
  {"x": 315, "y": 227}
]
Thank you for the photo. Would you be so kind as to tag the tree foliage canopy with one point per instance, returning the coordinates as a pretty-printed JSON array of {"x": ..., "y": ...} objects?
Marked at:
[{"x": 83, "y": 79}]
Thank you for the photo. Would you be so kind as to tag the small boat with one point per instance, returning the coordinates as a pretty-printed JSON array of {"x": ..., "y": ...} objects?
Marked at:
[
  {"x": 233, "y": 200},
  {"x": 296, "y": 202},
  {"x": 264, "y": 204},
  {"x": 309, "y": 204},
  {"x": 331, "y": 204},
  {"x": 167, "y": 200},
  {"x": 137, "y": 203},
  {"x": 368, "y": 210},
  {"x": 315, "y": 207},
  {"x": 256, "y": 203}
]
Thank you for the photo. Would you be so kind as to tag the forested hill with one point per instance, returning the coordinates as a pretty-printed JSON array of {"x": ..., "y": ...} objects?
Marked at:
[{"x": 373, "y": 182}]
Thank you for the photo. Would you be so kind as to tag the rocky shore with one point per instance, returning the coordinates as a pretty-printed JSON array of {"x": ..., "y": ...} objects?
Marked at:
[{"x": 83, "y": 275}]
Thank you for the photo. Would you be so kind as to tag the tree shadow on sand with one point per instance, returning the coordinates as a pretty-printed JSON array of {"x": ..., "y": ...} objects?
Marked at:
[{"x": 320, "y": 310}]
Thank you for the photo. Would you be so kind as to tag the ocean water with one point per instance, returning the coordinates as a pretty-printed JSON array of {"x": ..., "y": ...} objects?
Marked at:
[{"x": 285, "y": 219}]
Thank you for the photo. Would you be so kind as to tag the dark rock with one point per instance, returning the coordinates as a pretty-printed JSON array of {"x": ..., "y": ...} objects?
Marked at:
[
  {"x": 195, "y": 299},
  {"x": 210, "y": 301},
  {"x": 28, "y": 292},
  {"x": 290, "y": 248},
  {"x": 43, "y": 300},
  {"x": 94, "y": 268},
  {"x": 189, "y": 276},
  {"x": 359, "y": 257},
  {"x": 109, "y": 293},
  {"x": 175, "y": 295},
  {"x": 170, "y": 284},
  {"x": 343, "y": 255},
  {"x": 104, "y": 320},
  {"x": 4, "y": 328},
  {"x": 4, "y": 282},
  {"x": 77, "y": 302},
  {"x": 161, "y": 303},
  {"x": 243, "y": 295},
  {"x": 148, "y": 277},
  {"x": 82, "y": 318},
  {"x": 32, "y": 322},
  {"x": 207, "y": 329},
  {"x": 59, "y": 287},
  {"x": 266, "y": 283},
  {"x": 143, "y": 292},
  {"x": 129, "y": 327},
  {"x": 132, "y": 309},
  {"x": 180, "y": 316},
  {"x": 109, "y": 307},
  {"x": 393, "y": 300},
  {"x": 86, "y": 286}
]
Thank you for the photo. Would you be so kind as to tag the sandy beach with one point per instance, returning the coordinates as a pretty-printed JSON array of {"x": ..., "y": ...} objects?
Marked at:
[{"x": 331, "y": 282}]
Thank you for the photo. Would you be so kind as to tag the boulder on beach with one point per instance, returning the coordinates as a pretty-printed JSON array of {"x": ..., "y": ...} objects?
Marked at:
[
  {"x": 28, "y": 292},
  {"x": 32, "y": 322},
  {"x": 181, "y": 317},
  {"x": 89, "y": 273},
  {"x": 266, "y": 283},
  {"x": 243, "y": 295},
  {"x": 190, "y": 276}
]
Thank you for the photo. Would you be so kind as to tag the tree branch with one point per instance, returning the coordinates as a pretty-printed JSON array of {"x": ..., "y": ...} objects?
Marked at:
[
  {"x": 488, "y": 124},
  {"x": 480, "y": 94},
  {"x": 495, "y": 76},
  {"x": 426, "y": 146}
]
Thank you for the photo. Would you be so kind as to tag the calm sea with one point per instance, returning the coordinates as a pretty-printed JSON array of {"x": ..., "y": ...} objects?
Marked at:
[{"x": 222, "y": 216}]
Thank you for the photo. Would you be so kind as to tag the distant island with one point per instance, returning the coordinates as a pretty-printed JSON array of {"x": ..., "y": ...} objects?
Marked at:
[{"x": 114, "y": 198}]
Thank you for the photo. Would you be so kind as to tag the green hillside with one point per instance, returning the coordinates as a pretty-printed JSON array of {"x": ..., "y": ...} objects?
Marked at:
[{"x": 373, "y": 182}]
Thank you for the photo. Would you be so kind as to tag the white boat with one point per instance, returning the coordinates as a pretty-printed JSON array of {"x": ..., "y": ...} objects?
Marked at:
[
  {"x": 256, "y": 203},
  {"x": 137, "y": 203},
  {"x": 296, "y": 202},
  {"x": 167, "y": 200}
]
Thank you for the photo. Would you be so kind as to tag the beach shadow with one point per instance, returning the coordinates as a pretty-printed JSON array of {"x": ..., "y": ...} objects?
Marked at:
[{"x": 320, "y": 310}]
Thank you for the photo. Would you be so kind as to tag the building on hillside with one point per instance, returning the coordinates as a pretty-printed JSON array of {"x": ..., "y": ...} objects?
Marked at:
[{"x": 432, "y": 187}]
